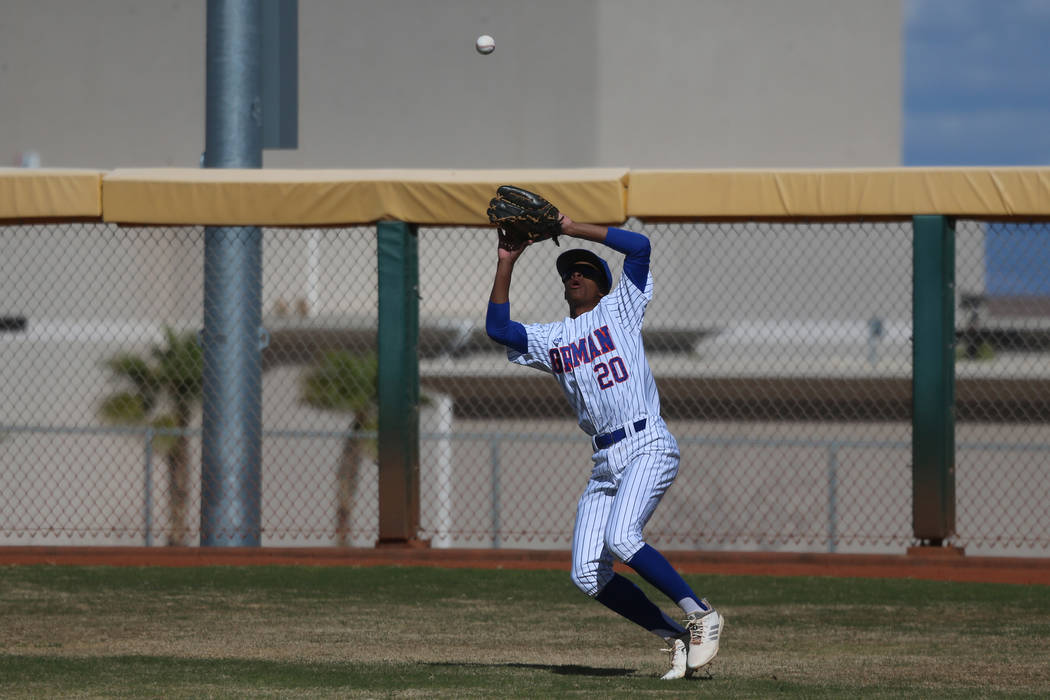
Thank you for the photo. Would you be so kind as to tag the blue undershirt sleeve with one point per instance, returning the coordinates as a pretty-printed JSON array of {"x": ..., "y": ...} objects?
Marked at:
[
  {"x": 504, "y": 331},
  {"x": 637, "y": 248}
]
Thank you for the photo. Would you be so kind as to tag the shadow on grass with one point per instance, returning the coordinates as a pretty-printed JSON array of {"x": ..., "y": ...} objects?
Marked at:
[
  {"x": 575, "y": 670},
  {"x": 559, "y": 669}
]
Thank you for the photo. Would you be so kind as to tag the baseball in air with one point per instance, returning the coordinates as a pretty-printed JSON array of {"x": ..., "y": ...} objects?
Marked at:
[{"x": 485, "y": 44}]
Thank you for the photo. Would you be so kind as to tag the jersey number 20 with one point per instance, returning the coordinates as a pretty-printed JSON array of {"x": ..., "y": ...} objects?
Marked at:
[{"x": 614, "y": 368}]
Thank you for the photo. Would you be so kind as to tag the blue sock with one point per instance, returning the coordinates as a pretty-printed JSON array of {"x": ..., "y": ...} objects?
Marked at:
[
  {"x": 623, "y": 597},
  {"x": 652, "y": 566}
]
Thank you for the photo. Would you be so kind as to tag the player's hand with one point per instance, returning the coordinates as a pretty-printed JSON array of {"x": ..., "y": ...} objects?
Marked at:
[
  {"x": 566, "y": 225},
  {"x": 511, "y": 256}
]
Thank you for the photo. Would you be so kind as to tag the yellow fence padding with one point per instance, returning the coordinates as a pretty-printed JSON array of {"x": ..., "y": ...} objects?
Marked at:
[
  {"x": 263, "y": 197},
  {"x": 886, "y": 192},
  {"x": 33, "y": 193},
  {"x": 244, "y": 197}
]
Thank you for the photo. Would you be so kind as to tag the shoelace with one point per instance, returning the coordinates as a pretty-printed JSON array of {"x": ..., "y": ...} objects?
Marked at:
[
  {"x": 699, "y": 631},
  {"x": 671, "y": 652}
]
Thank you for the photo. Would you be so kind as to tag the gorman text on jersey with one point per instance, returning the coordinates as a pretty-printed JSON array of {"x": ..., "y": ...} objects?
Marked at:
[{"x": 583, "y": 351}]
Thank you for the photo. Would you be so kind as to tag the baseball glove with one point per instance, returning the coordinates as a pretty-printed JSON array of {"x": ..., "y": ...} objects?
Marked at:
[{"x": 523, "y": 217}]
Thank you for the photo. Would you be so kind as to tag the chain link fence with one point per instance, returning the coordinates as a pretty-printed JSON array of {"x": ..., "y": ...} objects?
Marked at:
[{"x": 782, "y": 353}]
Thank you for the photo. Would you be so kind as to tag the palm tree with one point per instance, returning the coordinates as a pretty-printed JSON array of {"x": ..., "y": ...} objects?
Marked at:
[
  {"x": 162, "y": 390},
  {"x": 346, "y": 382}
]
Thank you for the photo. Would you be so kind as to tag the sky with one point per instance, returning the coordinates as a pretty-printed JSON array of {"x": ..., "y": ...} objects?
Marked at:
[
  {"x": 977, "y": 92},
  {"x": 976, "y": 82}
]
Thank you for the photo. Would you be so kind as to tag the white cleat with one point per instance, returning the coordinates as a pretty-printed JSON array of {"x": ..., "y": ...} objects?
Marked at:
[
  {"x": 678, "y": 660},
  {"x": 704, "y": 632}
]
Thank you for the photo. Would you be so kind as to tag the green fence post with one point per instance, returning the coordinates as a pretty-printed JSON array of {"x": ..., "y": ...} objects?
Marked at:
[
  {"x": 398, "y": 248},
  {"x": 933, "y": 379}
]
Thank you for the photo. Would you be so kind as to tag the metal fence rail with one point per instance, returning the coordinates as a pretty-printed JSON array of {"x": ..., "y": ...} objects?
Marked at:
[
  {"x": 782, "y": 352},
  {"x": 446, "y": 493}
]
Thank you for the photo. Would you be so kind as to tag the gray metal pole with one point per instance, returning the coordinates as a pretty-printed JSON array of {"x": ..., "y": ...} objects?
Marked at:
[{"x": 232, "y": 422}]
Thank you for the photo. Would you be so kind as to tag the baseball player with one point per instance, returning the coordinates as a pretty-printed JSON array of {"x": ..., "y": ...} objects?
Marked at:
[{"x": 596, "y": 355}]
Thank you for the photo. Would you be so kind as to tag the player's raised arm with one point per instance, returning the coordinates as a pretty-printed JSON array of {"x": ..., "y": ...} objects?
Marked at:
[
  {"x": 590, "y": 232},
  {"x": 504, "y": 271},
  {"x": 497, "y": 319},
  {"x": 633, "y": 245}
]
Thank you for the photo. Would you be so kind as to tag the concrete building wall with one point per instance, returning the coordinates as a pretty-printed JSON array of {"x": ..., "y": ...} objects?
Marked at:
[
  {"x": 666, "y": 83},
  {"x": 749, "y": 83}
]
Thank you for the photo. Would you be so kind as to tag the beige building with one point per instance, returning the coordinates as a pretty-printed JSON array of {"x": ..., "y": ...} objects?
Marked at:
[{"x": 664, "y": 83}]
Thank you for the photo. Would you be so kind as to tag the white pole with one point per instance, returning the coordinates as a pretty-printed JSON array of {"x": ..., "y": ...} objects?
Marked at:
[
  {"x": 442, "y": 459},
  {"x": 313, "y": 264}
]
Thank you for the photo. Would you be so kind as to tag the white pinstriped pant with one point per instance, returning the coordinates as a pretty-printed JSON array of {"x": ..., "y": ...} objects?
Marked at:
[{"x": 627, "y": 483}]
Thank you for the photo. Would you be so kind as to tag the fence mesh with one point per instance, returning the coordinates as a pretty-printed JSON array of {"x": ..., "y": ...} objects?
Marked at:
[{"x": 782, "y": 353}]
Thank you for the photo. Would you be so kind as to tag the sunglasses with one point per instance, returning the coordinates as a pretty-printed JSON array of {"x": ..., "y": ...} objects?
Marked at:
[{"x": 587, "y": 270}]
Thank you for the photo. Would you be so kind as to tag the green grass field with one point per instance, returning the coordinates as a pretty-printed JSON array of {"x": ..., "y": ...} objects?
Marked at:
[{"x": 426, "y": 632}]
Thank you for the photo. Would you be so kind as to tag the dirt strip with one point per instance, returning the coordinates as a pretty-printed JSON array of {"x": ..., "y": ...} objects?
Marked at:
[{"x": 918, "y": 563}]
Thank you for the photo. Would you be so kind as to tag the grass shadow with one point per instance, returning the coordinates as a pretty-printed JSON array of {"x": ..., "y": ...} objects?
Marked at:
[
  {"x": 575, "y": 670},
  {"x": 558, "y": 669}
]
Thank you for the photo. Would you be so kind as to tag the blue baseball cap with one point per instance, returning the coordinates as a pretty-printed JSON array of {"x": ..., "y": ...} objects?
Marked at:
[{"x": 578, "y": 256}]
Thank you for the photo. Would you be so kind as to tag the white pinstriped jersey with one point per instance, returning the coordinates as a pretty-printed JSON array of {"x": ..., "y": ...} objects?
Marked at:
[{"x": 598, "y": 359}]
